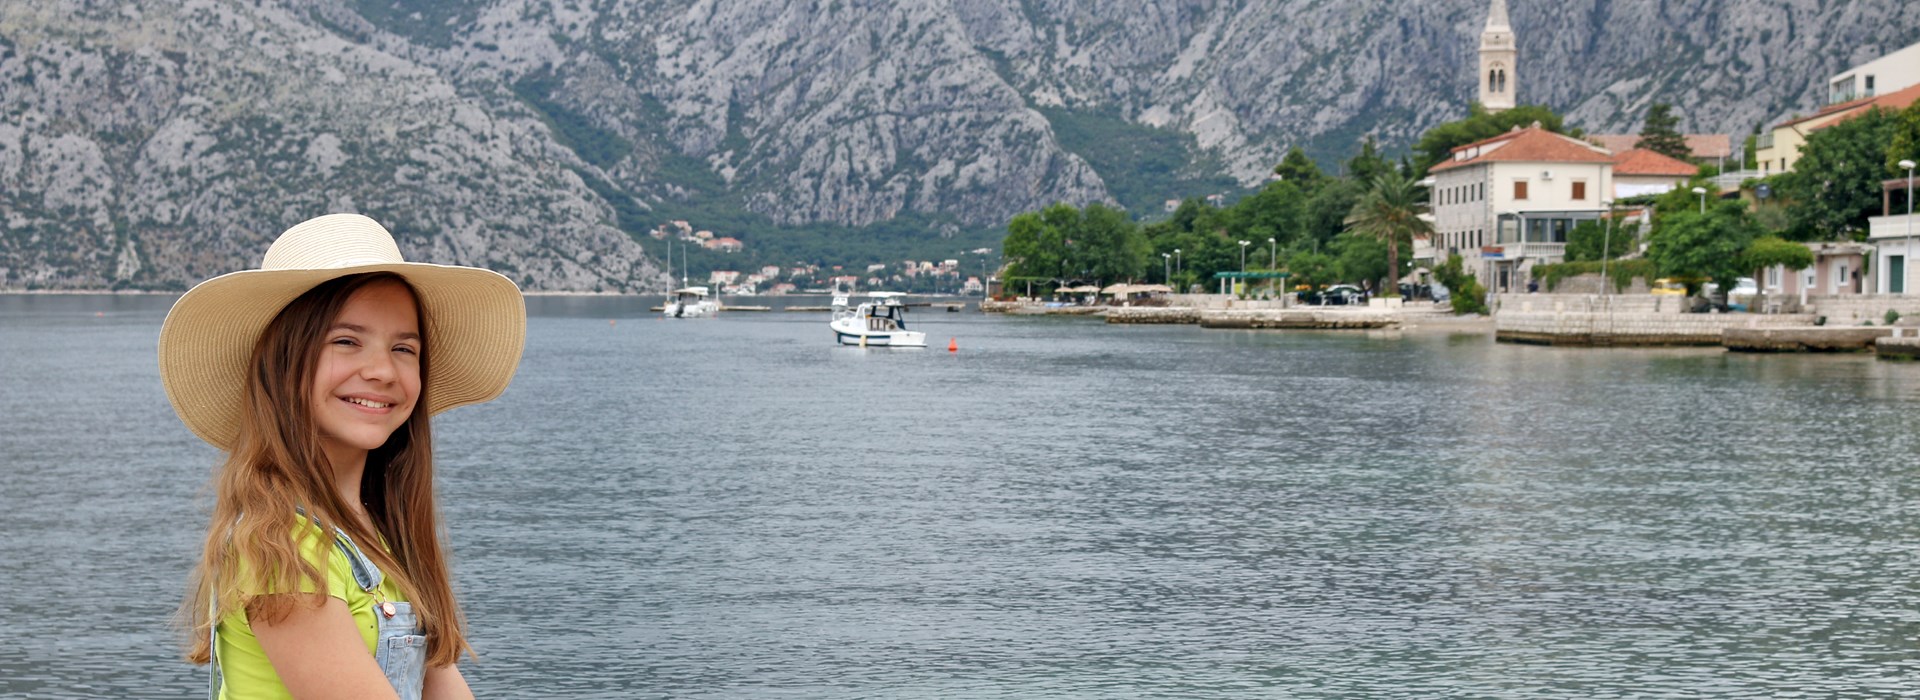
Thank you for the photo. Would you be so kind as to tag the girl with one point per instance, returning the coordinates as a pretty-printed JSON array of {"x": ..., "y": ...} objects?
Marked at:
[{"x": 324, "y": 572}]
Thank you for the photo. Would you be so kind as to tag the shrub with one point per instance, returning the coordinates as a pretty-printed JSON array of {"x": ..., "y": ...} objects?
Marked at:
[
  {"x": 1468, "y": 297},
  {"x": 1621, "y": 272},
  {"x": 1892, "y": 316}
]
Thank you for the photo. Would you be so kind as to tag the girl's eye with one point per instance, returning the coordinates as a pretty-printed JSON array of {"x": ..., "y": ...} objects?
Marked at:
[
  {"x": 343, "y": 341},
  {"x": 408, "y": 349}
]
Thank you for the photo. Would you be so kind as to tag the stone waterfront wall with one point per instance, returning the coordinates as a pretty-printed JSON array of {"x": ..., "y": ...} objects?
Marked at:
[
  {"x": 1590, "y": 284},
  {"x": 1805, "y": 338},
  {"x": 1898, "y": 348},
  {"x": 1581, "y": 303},
  {"x": 1628, "y": 328},
  {"x": 1299, "y": 319},
  {"x": 1851, "y": 309},
  {"x": 1149, "y": 315}
]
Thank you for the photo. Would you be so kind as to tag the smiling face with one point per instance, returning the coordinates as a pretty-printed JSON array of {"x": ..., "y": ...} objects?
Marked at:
[{"x": 367, "y": 380}]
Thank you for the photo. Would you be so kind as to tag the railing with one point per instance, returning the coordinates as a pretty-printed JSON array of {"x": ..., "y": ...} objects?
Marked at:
[{"x": 1732, "y": 180}]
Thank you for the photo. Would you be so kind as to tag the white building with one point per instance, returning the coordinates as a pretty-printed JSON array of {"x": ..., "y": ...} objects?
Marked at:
[
  {"x": 1896, "y": 244},
  {"x": 1885, "y": 74},
  {"x": 1507, "y": 203}
]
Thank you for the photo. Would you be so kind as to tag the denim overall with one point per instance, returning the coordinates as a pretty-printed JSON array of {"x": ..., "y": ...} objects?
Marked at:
[{"x": 400, "y": 643}]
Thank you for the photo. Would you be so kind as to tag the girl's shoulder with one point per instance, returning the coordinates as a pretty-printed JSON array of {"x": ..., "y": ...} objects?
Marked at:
[{"x": 314, "y": 547}]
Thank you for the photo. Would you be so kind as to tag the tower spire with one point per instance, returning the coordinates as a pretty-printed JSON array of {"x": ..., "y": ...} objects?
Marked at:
[
  {"x": 1499, "y": 60},
  {"x": 1497, "y": 16}
]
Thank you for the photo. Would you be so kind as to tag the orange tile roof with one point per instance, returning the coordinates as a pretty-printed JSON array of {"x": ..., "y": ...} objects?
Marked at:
[
  {"x": 1533, "y": 145},
  {"x": 1700, "y": 145},
  {"x": 1898, "y": 99},
  {"x": 1641, "y": 161}
]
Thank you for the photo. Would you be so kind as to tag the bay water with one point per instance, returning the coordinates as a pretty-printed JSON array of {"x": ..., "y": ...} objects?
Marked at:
[{"x": 736, "y": 508}]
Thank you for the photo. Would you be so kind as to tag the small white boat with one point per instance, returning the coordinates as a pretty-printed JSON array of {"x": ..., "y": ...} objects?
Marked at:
[
  {"x": 690, "y": 302},
  {"x": 881, "y": 323}
]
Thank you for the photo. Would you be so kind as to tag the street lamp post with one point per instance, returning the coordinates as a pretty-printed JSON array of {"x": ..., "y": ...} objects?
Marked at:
[
  {"x": 1166, "y": 268},
  {"x": 1273, "y": 262},
  {"x": 1176, "y": 263},
  {"x": 1702, "y": 191},
  {"x": 1243, "y": 264},
  {"x": 1906, "y": 262},
  {"x": 1606, "y": 248}
]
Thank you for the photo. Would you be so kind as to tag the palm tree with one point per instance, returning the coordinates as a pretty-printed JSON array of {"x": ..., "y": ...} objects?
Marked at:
[{"x": 1389, "y": 212}]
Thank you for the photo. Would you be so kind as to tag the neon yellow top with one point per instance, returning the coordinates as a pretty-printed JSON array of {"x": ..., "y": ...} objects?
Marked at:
[{"x": 244, "y": 669}]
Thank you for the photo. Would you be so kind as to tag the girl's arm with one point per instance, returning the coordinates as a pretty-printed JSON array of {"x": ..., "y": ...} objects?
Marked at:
[
  {"x": 446, "y": 683},
  {"x": 318, "y": 652}
]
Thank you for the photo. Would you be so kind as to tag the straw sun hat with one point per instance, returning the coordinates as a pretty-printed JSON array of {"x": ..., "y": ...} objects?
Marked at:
[{"x": 476, "y": 321}]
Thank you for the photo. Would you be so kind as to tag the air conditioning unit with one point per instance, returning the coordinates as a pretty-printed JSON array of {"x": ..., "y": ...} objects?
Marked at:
[{"x": 1546, "y": 175}]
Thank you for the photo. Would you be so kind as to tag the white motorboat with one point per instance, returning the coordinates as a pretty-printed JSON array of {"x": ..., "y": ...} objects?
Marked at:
[
  {"x": 690, "y": 302},
  {"x": 880, "y": 323}
]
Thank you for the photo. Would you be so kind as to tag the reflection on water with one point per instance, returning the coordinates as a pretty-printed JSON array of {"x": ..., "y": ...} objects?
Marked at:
[{"x": 735, "y": 507}]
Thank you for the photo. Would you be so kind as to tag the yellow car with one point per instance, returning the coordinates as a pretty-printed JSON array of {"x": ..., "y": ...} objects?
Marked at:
[{"x": 1667, "y": 286}]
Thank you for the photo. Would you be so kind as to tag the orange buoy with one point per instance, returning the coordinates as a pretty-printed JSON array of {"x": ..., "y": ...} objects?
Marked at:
[
  {"x": 612, "y": 322},
  {"x": 953, "y": 345}
]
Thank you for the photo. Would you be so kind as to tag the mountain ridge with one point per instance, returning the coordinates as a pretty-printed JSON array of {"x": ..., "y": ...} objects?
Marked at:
[{"x": 149, "y": 144}]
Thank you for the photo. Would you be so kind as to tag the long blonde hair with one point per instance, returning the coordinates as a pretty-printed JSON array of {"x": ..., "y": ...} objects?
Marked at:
[{"x": 277, "y": 469}]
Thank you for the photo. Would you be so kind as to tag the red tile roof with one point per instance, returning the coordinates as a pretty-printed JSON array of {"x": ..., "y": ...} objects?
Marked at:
[
  {"x": 1702, "y": 146},
  {"x": 1898, "y": 99},
  {"x": 1641, "y": 161},
  {"x": 1534, "y": 145}
]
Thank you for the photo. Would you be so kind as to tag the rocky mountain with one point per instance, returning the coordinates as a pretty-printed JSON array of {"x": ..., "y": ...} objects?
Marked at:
[{"x": 149, "y": 143}]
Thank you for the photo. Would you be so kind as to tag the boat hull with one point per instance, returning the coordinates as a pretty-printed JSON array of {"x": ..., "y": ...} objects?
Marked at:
[{"x": 881, "y": 339}]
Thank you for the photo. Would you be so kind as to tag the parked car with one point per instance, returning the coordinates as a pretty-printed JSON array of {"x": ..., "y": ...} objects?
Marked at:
[
  {"x": 1441, "y": 294},
  {"x": 1668, "y": 286},
  {"x": 1745, "y": 291},
  {"x": 1342, "y": 294}
]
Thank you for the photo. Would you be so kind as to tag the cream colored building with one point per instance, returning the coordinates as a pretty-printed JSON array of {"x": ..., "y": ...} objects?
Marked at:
[
  {"x": 1507, "y": 203},
  {"x": 1892, "y": 82}
]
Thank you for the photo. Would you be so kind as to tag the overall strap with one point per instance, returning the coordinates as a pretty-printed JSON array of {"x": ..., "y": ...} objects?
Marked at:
[
  {"x": 213, "y": 640},
  {"x": 365, "y": 574}
]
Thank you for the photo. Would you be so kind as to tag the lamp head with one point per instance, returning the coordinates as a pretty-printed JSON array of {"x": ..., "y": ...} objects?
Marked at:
[
  {"x": 1699, "y": 190},
  {"x": 1906, "y": 164}
]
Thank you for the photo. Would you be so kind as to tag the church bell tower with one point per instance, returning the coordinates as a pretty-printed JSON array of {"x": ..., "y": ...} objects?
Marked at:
[{"x": 1497, "y": 60}]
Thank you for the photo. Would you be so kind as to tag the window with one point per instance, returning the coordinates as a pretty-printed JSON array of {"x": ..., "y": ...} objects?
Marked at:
[
  {"x": 1579, "y": 189},
  {"x": 1519, "y": 189}
]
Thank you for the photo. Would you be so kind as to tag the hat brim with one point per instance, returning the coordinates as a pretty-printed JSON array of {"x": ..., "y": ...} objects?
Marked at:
[{"x": 476, "y": 325}]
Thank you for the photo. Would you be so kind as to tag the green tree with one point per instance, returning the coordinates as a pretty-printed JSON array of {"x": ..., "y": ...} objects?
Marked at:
[
  {"x": 1835, "y": 185},
  {"x": 1361, "y": 260},
  {"x": 1698, "y": 247},
  {"x": 1062, "y": 242},
  {"x": 1311, "y": 269},
  {"x": 1661, "y": 134},
  {"x": 1390, "y": 213},
  {"x": 1326, "y": 211},
  {"x": 1905, "y": 143},
  {"x": 1368, "y": 163},
  {"x": 1438, "y": 143},
  {"x": 1768, "y": 251},
  {"x": 1584, "y": 242},
  {"x": 1297, "y": 168}
]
